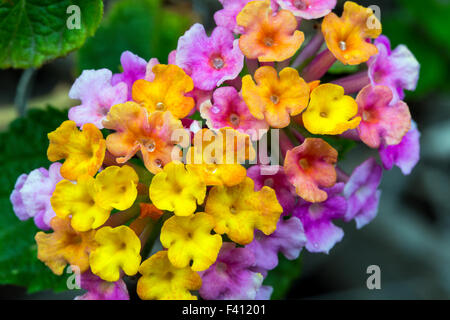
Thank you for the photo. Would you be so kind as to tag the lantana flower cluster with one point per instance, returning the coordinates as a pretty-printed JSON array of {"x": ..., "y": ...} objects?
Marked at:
[{"x": 140, "y": 190}]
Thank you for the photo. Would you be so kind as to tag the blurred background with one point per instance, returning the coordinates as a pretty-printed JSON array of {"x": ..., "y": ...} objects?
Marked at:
[{"x": 410, "y": 238}]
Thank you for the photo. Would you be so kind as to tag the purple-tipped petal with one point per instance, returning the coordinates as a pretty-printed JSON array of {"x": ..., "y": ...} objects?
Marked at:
[{"x": 362, "y": 193}]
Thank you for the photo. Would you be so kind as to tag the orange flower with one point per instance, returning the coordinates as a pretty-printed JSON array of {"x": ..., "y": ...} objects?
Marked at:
[
  {"x": 275, "y": 98},
  {"x": 346, "y": 36},
  {"x": 268, "y": 36},
  {"x": 138, "y": 131},
  {"x": 65, "y": 245},
  {"x": 166, "y": 92},
  {"x": 310, "y": 167}
]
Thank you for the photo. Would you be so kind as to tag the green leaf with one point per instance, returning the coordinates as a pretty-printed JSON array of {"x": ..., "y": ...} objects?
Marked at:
[
  {"x": 35, "y": 31},
  {"x": 140, "y": 26},
  {"x": 22, "y": 149},
  {"x": 282, "y": 277}
]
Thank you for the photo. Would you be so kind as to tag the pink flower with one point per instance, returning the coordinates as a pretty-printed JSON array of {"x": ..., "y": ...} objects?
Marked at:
[
  {"x": 404, "y": 155},
  {"x": 397, "y": 69},
  {"x": 227, "y": 16},
  {"x": 98, "y": 289},
  {"x": 97, "y": 96},
  {"x": 209, "y": 61},
  {"x": 32, "y": 193},
  {"x": 308, "y": 9},
  {"x": 231, "y": 277},
  {"x": 289, "y": 239},
  {"x": 229, "y": 109},
  {"x": 134, "y": 68},
  {"x": 317, "y": 220},
  {"x": 278, "y": 181},
  {"x": 362, "y": 194},
  {"x": 380, "y": 121},
  {"x": 149, "y": 75}
]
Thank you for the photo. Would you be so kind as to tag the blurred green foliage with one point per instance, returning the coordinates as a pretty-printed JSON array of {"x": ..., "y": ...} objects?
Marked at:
[
  {"x": 143, "y": 27},
  {"x": 423, "y": 26},
  {"x": 35, "y": 31},
  {"x": 23, "y": 148},
  {"x": 283, "y": 276}
]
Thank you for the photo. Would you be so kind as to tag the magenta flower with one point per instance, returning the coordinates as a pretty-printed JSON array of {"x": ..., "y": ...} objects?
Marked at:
[
  {"x": 231, "y": 277},
  {"x": 209, "y": 61},
  {"x": 227, "y": 16},
  {"x": 321, "y": 233},
  {"x": 277, "y": 180},
  {"x": 289, "y": 239},
  {"x": 397, "y": 69},
  {"x": 381, "y": 121},
  {"x": 98, "y": 289},
  {"x": 31, "y": 195},
  {"x": 404, "y": 155},
  {"x": 308, "y": 9},
  {"x": 362, "y": 193},
  {"x": 199, "y": 96},
  {"x": 229, "y": 109},
  {"x": 97, "y": 96},
  {"x": 134, "y": 68}
]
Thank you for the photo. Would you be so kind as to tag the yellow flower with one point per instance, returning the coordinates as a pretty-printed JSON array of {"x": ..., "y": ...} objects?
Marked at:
[
  {"x": 238, "y": 210},
  {"x": 81, "y": 202},
  {"x": 219, "y": 174},
  {"x": 177, "y": 189},
  {"x": 89, "y": 202},
  {"x": 216, "y": 156},
  {"x": 275, "y": 98},
  {"x": 64, "y": 246},
  {"x": 166, "y": 92},
  {"x": 117, "y": 187},
  {"x": 190, "y": 239},
  {"x": 330, "y": 111},
  {"x": 83, "y": 151},
  {"x": 118, "y": 248},
  {"x": 162, "y": 281}
]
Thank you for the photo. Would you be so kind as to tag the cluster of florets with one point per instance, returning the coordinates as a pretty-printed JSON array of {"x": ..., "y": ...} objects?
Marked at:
[{"x": 189, "y": 208}]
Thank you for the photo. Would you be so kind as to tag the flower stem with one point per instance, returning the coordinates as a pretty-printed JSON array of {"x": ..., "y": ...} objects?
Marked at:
[
  {"x": 353, "y": 83},
  {"x": 341, "y": 175},
  {"x": 123, "y": 217},
  {"x": 252, "y": 65},
  {"x": 309, "y": 51},
  {"x": 319, "y": 66}
]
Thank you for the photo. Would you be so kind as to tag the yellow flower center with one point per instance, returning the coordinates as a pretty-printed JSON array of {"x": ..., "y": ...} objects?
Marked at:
[
  {"x": 160, "y": 106},
  {"x": 275, "y": 99},
  {"x": 268, "y": 41},
  {"x": 234, "y": 119},
  {"x": 218, "y": 63},
  {"x": 304, "y": 164},
  {"x": 342, "y": 45}
]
